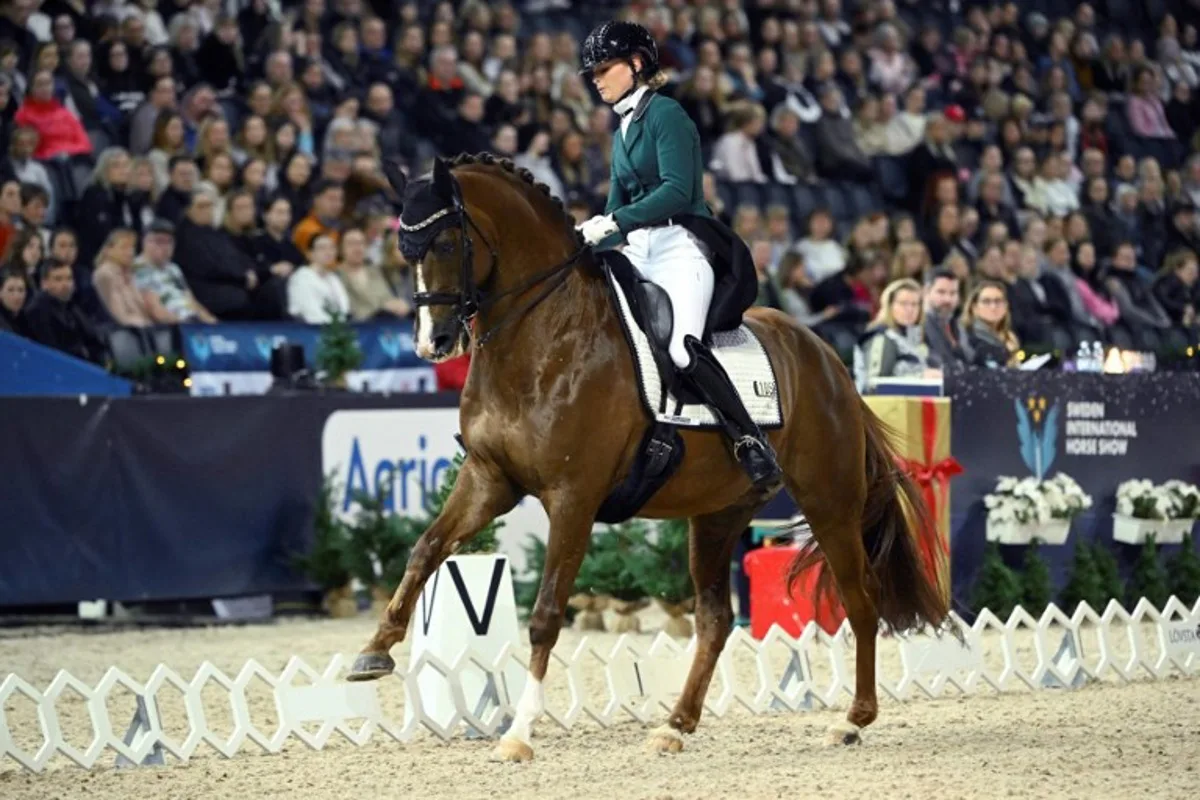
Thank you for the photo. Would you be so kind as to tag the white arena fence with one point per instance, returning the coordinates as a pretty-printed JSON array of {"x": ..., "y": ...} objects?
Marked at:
[{"x": 777, "y": 674}]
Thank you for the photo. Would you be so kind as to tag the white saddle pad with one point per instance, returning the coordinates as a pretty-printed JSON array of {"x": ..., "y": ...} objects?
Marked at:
[{"x": 739, "y": 352}]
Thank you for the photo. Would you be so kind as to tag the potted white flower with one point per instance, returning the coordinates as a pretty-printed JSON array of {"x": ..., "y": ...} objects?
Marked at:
[
  {"x": 1020, "y": 511},
  {"x": 1167, "y": 511}
]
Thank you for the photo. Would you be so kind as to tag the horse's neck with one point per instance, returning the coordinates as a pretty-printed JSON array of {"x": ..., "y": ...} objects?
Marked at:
[{"x": 568, "y": 321}]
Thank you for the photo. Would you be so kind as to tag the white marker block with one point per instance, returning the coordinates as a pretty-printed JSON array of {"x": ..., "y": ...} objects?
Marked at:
[{"x": 468, "y": 604}]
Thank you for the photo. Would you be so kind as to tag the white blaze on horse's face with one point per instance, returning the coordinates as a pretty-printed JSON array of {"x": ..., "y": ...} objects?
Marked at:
[{"x": 424, "y": 318}]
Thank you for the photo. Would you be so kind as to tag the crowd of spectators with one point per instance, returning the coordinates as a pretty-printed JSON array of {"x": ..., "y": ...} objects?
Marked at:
[{"x": 925, "y": 183}]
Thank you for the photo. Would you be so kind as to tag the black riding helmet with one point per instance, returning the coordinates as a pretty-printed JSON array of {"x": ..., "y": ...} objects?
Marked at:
[{"x": 614, "y": 40}]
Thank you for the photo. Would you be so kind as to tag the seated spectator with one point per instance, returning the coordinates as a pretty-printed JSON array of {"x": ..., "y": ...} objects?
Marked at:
[
  {"x": 1175, "y": 288},
  {"x": 910, "y": 260},
  {"x": 930, "y": 162},
  {"x": 35, "y": 203},
  {"x": 315, "y": 291},
  {"x": 328, "y": 199},
  {"x": 768, "y": 290},
  {"x": 224, "y": 280},
  {"x": 28, "y": 171},
  {"x": 52, "y": 318},
  {"x": 113, "y": 278},
  {"x": 823, "y": 255},
  {"x": 987, "y": 327},
  {"x": 795, "y": 292},
  {"x": 891, "y": 68},
  {"x": 892, "y": 345},
  {"x": 847, "y": 289},
  {"x": 535, "y": 157},
  {"x": 1089, "y": 280},
  {"x": 158, "y": 279},
  {"x": 108, "y": 202},
  {"x": 1147, "y": 115},
  {"x": 838, "y": 154},
  {"x": 572, "y": 164},
  {"x": 1141, "y": 315},
  {"x": 1183, "y": 232},
  {"x": 13, "y": 292},
  {"x": 735, "y": 156},
  {"x": 368, "y": 290},
  {"x": 274, "y": 251},
  {"x": 1063, "y": 295},
  {"x": 173, "y": 202},
  {"x": 942, "y": 332},
  {"x": 60, "y": 132},
  {"x": 26, "y": 254},
  {"x": 1053, "y": 195}
]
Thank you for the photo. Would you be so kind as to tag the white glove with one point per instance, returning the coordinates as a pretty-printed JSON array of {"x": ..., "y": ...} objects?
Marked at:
[{"x": 597, "y": 229}]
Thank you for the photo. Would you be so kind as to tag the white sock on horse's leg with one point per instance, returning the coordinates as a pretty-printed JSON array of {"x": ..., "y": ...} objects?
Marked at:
[
  {"x": 529, "y": 709},
  {"x": 516, "y": 744}
]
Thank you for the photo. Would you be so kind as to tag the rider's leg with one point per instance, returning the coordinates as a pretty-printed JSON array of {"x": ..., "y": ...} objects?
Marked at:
[{"x": 678, "y": 266}]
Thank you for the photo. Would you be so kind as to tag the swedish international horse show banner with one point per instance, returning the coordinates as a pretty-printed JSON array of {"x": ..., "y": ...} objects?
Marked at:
[
  {"x": 1099, "y": 429},
  {"x": 235, "y": 358}
]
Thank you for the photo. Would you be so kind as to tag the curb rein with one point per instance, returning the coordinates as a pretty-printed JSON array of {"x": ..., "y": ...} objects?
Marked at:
[{"x": 470, "y": 299}]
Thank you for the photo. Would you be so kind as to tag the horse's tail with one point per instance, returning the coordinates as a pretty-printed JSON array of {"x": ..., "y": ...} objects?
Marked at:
[{"x": 894, "y": 515}]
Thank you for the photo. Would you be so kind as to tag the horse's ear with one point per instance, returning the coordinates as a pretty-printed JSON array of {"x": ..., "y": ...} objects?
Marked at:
[
  {"x": 397, "y": 181},
  {"x": 443, "y": 181}
]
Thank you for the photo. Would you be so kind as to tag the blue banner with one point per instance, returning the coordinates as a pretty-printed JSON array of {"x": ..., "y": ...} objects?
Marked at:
[
  {"x": 235, "y": 358},
  {"x": 246, "y": 347}
]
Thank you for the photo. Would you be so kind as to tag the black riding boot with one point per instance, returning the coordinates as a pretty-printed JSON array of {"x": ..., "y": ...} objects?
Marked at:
[{"x": 707, "y": 378}]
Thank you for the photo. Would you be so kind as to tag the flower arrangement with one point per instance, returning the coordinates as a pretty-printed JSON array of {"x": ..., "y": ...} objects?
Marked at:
[
  {"x": 1027, "y": 500},
  {"x": 1141, "y": 499},
  {"x": 1165, "y": 511}
]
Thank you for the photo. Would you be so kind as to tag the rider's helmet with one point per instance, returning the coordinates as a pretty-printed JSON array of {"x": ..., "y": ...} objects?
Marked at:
[{"x": 617, "y": 39}]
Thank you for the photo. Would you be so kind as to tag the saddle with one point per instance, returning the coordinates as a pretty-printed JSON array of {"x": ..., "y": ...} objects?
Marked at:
[{"x": 647, "y": 322}]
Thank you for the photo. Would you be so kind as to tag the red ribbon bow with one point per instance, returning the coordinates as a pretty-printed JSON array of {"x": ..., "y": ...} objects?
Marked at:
[{"x": 933, "y": 479}]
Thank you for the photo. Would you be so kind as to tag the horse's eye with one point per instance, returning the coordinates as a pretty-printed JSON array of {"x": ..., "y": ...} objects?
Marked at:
[{"x": 444, "y": 248}]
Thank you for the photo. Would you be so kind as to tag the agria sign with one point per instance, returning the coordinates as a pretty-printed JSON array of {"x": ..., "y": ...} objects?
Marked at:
[{"x": 408, "y": 452}]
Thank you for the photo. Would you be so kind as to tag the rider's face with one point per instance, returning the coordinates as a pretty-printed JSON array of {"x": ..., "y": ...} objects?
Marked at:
[{"x": 612, "y": 79}]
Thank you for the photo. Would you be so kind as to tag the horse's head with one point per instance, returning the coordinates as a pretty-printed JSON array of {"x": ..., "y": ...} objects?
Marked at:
[{"x": 435, "y": 241}]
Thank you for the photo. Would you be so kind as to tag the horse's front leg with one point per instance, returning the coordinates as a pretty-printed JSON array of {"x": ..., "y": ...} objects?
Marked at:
[
  {"x": 570, "y": 527},
  {"x": 480, "y": 494}
]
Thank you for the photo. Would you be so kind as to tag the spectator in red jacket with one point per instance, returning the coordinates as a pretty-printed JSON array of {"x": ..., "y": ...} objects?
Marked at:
[{"x": 60, "y": 131}]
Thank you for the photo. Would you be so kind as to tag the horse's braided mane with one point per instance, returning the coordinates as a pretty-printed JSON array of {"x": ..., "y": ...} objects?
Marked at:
[{"x": 525, "y": 176}]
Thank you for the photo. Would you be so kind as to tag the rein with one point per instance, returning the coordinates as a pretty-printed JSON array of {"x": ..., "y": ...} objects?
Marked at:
[{"x": 470, "y": 299}]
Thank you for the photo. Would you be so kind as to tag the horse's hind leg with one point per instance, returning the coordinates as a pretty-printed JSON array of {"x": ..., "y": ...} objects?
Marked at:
[
  {"x": 839, "y": 533},
  {"x": 710, "y": 543},
  {"x": 480, "y": 494}
]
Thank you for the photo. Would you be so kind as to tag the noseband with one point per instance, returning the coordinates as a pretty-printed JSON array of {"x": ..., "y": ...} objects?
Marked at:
[{"x": 471, "y": 299}]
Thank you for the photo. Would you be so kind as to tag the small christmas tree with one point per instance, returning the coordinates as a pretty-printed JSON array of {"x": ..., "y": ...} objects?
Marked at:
[
  {"x": 1149, "y": 578},
  {"x": 526, "y": 588},
  {"x": 381, "y": 542},
  {"x": 660, "y": 564},
  {"x": 997, "y": 588},
  {"x": 1036, "y": 591},
  {"x": 606, "y": 566},
  {"x": 485, "y": 540},
  {"x": 1184, "y": 572},
  {"x": 337, "y": 351},
  {"x": 1084, "y": 584},
  {"x": 1111, "y": 585}
]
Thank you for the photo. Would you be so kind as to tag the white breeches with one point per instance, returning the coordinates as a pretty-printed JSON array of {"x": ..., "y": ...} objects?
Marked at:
[{"x": 671, "y": 258}]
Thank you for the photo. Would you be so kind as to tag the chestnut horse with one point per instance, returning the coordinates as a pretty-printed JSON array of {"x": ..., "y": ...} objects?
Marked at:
[{"x": 551, "y": 409}]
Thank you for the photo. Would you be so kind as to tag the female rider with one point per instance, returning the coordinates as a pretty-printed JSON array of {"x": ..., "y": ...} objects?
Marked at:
[{"x": 656, "y": 206}]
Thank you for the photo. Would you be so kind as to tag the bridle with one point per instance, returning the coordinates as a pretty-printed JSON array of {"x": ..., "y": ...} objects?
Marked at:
[{"x": 471, "y": 299}]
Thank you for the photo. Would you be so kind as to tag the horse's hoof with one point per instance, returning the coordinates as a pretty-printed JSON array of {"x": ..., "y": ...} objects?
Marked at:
[
  {"x": 843, "y": 733},
  {"x": 664, "y": 739},
  {"x": 512, "y": 751},
  {"x": 371, "y": 667}
]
